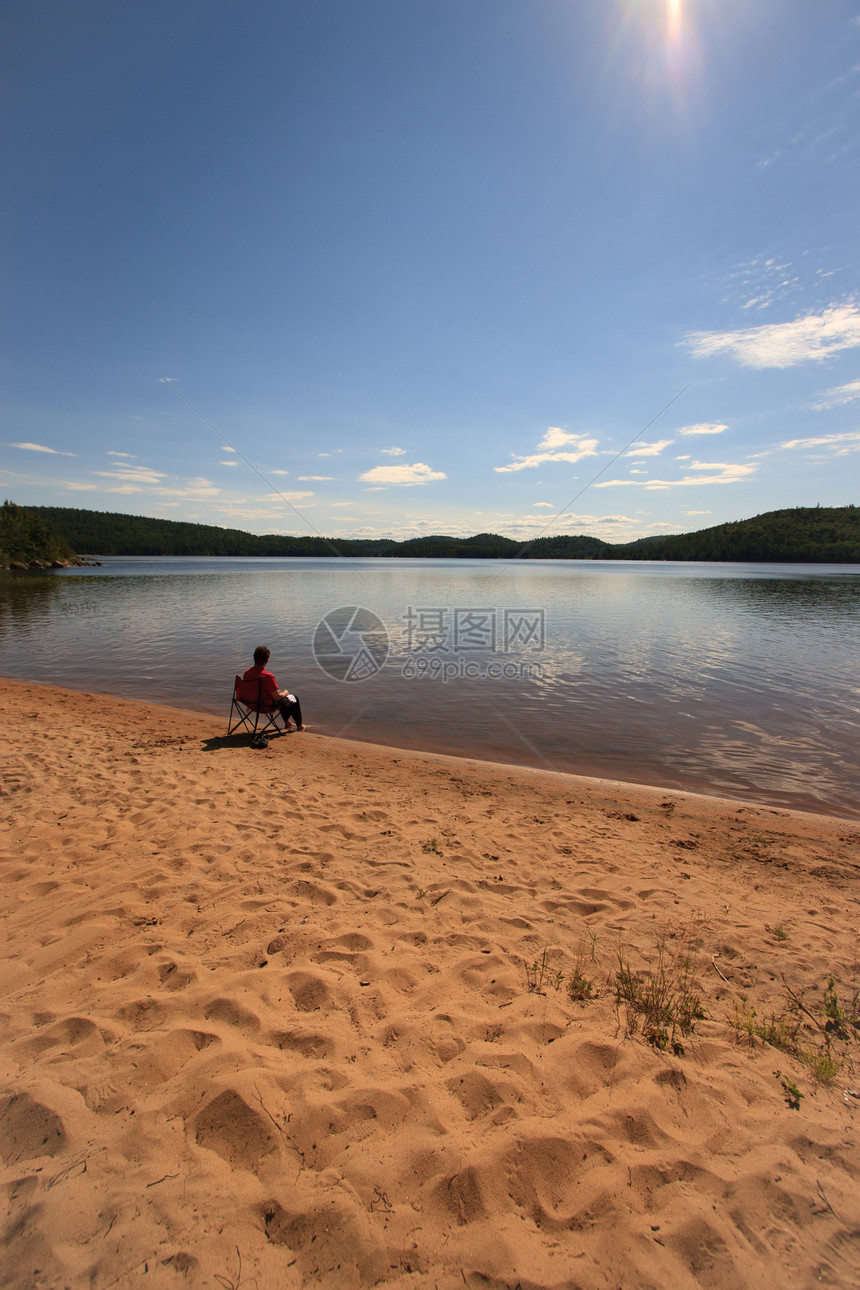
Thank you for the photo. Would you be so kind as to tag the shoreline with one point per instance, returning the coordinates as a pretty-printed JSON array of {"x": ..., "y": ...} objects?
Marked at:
[
  {"x": 577, "y": 777},
  {"x": 353, "y": 1012}
]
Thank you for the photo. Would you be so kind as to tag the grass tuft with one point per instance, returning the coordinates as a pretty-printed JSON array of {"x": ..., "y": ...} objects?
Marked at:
[
  {"x": 580, "y": 985},
  {"x": 659, "y": 1001},
  {"x": 817, "y": 1034},
  {"x": 541, "y": 973}
]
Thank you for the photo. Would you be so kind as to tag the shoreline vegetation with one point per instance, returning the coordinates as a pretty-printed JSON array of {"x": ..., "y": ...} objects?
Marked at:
[
  {"x": 50, "y": 534},
  {"x": 340, "y": 1015},
  {"x": 29, "y": 543}
]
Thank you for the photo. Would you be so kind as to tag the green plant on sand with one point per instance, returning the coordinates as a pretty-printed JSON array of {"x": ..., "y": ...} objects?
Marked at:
[
  {"x": 541, "y": 974},
  {"x": 818, "y": 1035},
  {"x": 580, "y": 986},
  {"x": 659, "y": 1000}
]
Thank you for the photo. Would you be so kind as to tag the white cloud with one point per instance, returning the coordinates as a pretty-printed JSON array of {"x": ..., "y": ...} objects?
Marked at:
[
  {"x": 308, "y": 478},
  {"x": 649, "y": 449},
  {"x": 704, "y": 427},
  {"x": 841, "y": 444},
  {"x": 139, "y": 481},
  {"x": 394, "y": 452},
  {"x": 719, "y": 473},
  {"x": 194, "y": 488},
  {"x": 111, "y": 453},
  {"x": 416, "y": 474},
  {"x": 228, "y": 463},
  {"x": 40, "y": 447},
  {"x": 132, "y": 474},
  {"x": 549, "y": 450},
  {"x": 228, "y": 449},
  {"x": 548, "y": 504},
  {"x": 279, "y": 472},
  {"x": 838, "y": 396},
  {"x": 763, "y": 281},
  {"x": 809, "y": 339}
]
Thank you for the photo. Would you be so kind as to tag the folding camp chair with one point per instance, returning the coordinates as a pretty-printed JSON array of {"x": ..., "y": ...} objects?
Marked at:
[{"x": 251, "y": 709}]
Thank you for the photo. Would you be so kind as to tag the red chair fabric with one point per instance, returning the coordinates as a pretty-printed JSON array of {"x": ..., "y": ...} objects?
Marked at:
[{"x": 249, "y": 702}]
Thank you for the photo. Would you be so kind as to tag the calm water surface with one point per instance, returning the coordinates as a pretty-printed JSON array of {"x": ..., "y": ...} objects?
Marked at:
[{"x": 735, "y": 679}]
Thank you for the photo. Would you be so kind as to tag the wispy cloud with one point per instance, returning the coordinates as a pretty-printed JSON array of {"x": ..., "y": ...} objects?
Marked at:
[
  {"x": 764, "y": 280},
  {"x": 648, "y": 449},
  {"x": 704, "y": 427},
  {"x": 130, "y": 483},
  {"x": 132, "y": 474},
  {"x": 707, "y": 472},
  {"x": 394, "y": 452},
  {"x": 556, "y": 445},
  {"x": 812, "y": 338},
  {"x": 112, "y": 453},
  {"x": 310, "y": 478},
  {"x": 419, "y": 473},
  {"x": 839, "y": 444},
  {"x": 838, "y": 396},
  {"x": 40, "y": 447}
]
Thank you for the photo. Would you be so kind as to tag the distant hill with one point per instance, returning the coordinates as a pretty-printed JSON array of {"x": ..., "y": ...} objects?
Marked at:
[
  {"x": 804, "y": 534},
  {"x": 110, "y": 533}
]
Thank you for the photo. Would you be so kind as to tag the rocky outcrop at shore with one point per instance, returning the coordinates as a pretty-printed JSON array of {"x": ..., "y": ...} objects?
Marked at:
[{"x": 37, "y": 566}]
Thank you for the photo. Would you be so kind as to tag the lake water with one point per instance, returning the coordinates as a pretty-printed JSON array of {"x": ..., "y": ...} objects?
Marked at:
[{"x": 739, "y": 680}]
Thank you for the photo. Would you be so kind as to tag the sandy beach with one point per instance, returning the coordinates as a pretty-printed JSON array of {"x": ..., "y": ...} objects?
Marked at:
[{"x": 332, "y": 1014}]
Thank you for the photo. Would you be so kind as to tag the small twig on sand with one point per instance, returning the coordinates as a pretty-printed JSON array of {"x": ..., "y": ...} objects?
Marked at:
[
  {"x": 267, "y": 1112},
  {"x": 826, "y": 1201}
]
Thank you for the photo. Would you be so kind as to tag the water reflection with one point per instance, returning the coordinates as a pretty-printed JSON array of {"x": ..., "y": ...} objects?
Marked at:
[
  {"x": 25, "y": 601},
  {"x": 827, "y": 601},
  {"x": 711, "y": 677}
]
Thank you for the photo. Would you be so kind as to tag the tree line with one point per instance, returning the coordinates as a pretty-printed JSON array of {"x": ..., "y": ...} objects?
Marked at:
[
  {"x": 803, "y": 534},
  {"x": 28, "y": 538}
]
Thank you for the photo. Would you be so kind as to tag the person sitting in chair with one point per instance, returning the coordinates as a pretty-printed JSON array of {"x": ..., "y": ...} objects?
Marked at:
[{"x": 286, "y": 703}]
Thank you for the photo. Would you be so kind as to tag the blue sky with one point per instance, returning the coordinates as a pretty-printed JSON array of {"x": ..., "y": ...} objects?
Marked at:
[{"x": 431, "y": 266}]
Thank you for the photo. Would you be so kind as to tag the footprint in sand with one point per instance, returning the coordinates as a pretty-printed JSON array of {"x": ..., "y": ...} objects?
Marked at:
[
  {"x": 28, "y": 1129},
  {"x": 232, "y": 1128}
]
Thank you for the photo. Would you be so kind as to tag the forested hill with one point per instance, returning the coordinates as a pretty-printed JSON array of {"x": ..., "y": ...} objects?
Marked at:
[
  {"x": 109, "y": 533},
  {"x": 804, "y": 534}
]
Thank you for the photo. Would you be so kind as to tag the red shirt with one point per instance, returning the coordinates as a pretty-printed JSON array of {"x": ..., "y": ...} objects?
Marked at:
[{"x": 270, "y": 685}]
